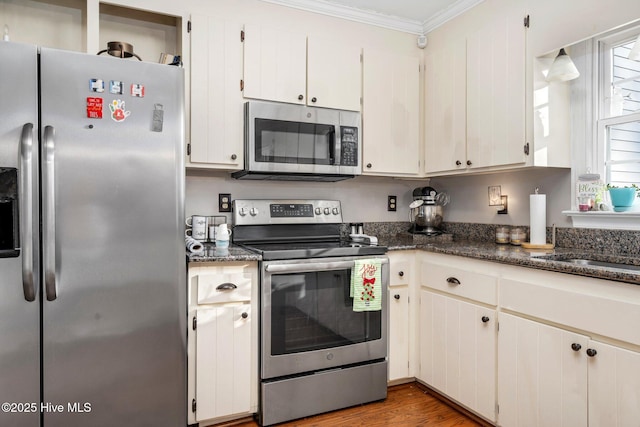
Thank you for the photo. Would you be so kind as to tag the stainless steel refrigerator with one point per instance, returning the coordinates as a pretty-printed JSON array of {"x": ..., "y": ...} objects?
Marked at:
[{"x": 92, "y": 265}]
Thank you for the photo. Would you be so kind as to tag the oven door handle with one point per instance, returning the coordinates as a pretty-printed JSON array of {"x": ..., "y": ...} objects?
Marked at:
[{"x": 313, "y": 266}]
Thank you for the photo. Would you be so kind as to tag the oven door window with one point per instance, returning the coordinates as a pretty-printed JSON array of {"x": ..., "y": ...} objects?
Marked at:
[
  {"x": 278, "y": 141},
  {"x": 313, "y": 311}
]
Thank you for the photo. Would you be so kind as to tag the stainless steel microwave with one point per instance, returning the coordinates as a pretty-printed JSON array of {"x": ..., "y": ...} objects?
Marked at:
[{"x": 296, "y": 142}]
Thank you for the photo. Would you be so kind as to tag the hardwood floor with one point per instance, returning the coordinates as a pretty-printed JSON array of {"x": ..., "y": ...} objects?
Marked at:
[{"x": 406, "y": 405}]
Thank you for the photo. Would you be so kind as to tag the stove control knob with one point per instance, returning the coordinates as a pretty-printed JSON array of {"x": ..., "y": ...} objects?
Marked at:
[
  {"x": 253, "y": 212},
  {"x": 318, "y": 211},
  {"x": 335, "y": 211},
  {"x": 326, "y": 211},
  {"x": 242, "y": 212}
]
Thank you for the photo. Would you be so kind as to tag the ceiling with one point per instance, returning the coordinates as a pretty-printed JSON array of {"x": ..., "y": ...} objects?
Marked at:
[{"x": 413, "y": 16}]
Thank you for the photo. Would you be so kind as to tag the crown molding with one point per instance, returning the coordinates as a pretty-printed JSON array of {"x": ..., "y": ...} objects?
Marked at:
[
  {"x": 458, "y": 8},
  {"x": 353, "y": 14},
  {"x": 379, "y": 19}
]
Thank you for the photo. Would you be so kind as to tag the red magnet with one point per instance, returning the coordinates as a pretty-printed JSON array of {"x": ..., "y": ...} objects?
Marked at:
[{"x": 94, "y": 108}]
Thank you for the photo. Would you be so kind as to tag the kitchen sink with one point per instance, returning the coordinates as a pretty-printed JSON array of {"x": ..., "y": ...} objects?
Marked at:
[{"x": 595, "y": 263}]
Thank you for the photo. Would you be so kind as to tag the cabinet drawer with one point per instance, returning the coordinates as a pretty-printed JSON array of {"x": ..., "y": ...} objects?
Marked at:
[
  {"x": 220, "y": 288},
  {"x": 611, "y": 309},
  {"x": 461, "y": 282},
  {"x": 400, "y": 272}
]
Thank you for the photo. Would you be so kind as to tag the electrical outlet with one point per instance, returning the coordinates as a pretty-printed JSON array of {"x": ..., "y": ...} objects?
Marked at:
[
  {"x": 392, "y": 202},
  {"x": 224, "y": 202}
]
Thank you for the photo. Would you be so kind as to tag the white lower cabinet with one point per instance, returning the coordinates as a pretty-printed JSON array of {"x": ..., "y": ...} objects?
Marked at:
[
  {"x": 458, "y": 351},
  {"x": 458, "y": 330},
  {"x": 402, "y": 345},
  {"x": 542, "y": 373},
  {"x": 222, "y": 342},
  {"x": 553, "y": 377},
  {"x": 614, "y": 386}
]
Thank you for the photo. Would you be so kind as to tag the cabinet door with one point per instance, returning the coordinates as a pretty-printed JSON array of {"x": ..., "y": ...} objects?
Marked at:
[
  {"x": 496, "y": 91},
  {"x": 542, "y": 380},
  {"x": 216, "y": 99},
  {"x": 275, "y": 63},
  {"x": 398, "y": 332},
  {"x": 445, "y": 107},
  {"x": 458, "y": 351},
  {"x": 614, "y": 386},
  {"x": 334, "y": 74},
  {"x": 390, "y": 114},
  {"x": 223, "y": 361}
]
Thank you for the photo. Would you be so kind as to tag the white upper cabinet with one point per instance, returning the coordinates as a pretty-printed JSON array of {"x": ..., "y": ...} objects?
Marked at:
[
  {"x": 290, "y": 67},
  {"x": 216, "y": 99},
  {"x": 390, "y": 113},
  {"x": 475, "y": 91},
  {"x": 496, "y": 92},
  {"x": 334, "y": 74},
  {"x": 445, "y": 107},
  {"x": 275, "y": 64}
]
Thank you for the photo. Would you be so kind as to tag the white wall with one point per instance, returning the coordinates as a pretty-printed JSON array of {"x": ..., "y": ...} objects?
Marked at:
[
  {"x": 470, "y": 200},
  {"x": 364, "y": 199}
]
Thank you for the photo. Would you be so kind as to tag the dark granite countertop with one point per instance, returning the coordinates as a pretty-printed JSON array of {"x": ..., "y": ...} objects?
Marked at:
[
  {"x": 516, "y": 255},
  {"x": 235, "y": 253}
]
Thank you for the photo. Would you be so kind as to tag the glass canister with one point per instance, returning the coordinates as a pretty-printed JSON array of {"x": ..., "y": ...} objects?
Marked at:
[
  {"x": 502, "y": 235},
  {"x": 518, "y": 236}
]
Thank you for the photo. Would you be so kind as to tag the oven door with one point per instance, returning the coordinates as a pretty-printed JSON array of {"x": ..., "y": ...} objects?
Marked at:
[{"x": 307, "y": 321}]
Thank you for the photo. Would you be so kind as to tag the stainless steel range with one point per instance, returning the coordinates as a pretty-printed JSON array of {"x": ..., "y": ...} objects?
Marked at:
[{"x": 317, "y": 353}]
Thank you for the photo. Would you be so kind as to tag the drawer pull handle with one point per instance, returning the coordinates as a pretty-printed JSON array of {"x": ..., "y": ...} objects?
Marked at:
[
  {"x": 244, "y": 315},
  {"x": 396, "y": 296},
  {"x": 591, "y": 352},
  {"x": 575, "y": 346},
  {"x": 226, "y": 287},
  {"x": 453, "y": 281},
  {"x": 485, "y": 319},
  {"x": 400, "y": 273}
]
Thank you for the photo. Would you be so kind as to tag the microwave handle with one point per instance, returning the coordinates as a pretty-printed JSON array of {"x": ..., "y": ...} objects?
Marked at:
[{"x": 336, "y": 146}]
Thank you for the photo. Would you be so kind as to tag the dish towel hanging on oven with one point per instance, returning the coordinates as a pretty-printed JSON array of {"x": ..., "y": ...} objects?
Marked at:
[{"x": 366, "y": 288}]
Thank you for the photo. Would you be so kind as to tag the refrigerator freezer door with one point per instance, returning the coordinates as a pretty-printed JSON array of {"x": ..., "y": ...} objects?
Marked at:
[
  {"x": 114, "y": 316},
  {"x": 19, "y": 306}
]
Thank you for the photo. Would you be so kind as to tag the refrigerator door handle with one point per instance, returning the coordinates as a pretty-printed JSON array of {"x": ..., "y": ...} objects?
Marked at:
[
  {"x": 25, "y": 164},
  {"x": 49, "y": 214}
]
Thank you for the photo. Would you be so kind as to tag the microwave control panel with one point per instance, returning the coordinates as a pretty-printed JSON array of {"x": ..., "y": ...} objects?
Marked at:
[{"x": 348, "y": 146}]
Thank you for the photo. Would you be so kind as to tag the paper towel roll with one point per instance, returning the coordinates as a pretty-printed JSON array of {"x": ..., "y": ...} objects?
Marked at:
[{"x": 538, "y": 219}]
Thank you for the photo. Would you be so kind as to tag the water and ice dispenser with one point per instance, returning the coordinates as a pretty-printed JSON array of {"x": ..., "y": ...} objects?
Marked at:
[{"x": 9, "y": 224}]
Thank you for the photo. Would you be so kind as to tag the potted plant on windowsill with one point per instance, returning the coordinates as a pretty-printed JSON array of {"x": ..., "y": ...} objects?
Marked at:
[{"x": 622, "y": 198}]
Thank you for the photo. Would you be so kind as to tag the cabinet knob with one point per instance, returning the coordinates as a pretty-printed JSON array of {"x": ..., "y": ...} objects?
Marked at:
[
  {"x": 453, "y": 281},
  {"x": 396, "y": 296},
  {"x": 400, "y": 273},
  {"x": 485, "y": 319},
  {"x": 233, "y": 157},
  {"x": 226, "y": 287},
  {"x": 575, "y": 346},
  {"x": 591, "y": 352},
  {"x": 244, "y": 315},
  {"x": 369, "y": 165},
  {"x": 458, "y": 162},
  {"x": 314, "y": 99},
  {"x": 300, "y": 97},
  {"x": 468, "y": 162}
]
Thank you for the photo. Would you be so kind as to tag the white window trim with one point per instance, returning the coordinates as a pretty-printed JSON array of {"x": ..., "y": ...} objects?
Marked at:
[{"x": 592, "y": 101}]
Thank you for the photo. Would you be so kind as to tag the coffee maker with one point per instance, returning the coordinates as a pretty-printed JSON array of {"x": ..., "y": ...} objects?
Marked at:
[{"x": 425, "y": 211}]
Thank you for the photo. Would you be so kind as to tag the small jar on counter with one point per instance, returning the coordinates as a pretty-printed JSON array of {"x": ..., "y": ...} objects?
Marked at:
[
  {"x": 502, "y": 235},
  {"x": 518, "y": 236}
]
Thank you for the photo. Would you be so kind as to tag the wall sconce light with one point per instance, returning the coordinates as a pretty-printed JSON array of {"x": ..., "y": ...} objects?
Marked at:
[
  {"x": 563, "y": 69},
  {"x": 496, "y": 198}
]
